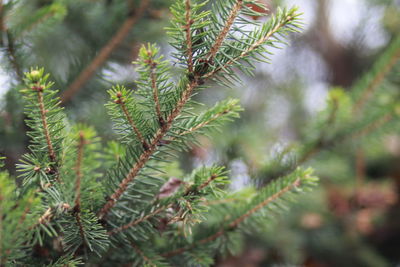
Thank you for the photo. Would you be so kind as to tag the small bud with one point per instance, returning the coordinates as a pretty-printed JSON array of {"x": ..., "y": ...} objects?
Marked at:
[
  {"x": 119, "y": 94},
  {"x": 36, "y": 169},
  {"x": 35, "y": 75}
]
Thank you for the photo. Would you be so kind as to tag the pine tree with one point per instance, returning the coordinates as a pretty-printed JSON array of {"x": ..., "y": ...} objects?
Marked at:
[{"x": 81, "y": 202}]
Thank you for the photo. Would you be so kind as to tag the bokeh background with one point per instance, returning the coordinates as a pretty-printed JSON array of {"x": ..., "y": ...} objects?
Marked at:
[{"x": 352, "y": 219}]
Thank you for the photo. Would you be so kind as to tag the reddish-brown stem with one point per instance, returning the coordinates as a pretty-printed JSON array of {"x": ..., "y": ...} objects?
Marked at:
[
  {"x": 136, "y": 222},
  {"x": 206, "y": 183},
  {"x": 189, "y": 37},
  {"x": 201, "y": 125},
  {"x": 234, "y": 224},
  {"x": 145, "y": 156},
  {"x": 224, "y": 32},
  {"x": 128, "y": 116},
  {"x": 251, "y": 48},
  {"x": 104, "y": 53},
  {"x": 52, "y": 154},
  {"x": 153, "y": 78}
]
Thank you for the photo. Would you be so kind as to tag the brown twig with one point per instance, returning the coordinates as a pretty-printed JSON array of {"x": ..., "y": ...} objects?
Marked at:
[
  {"x": 251, "y": 48},
  {"x": 201, "y": 125},
  {"x": 120, "y": 101},
  {"x": 153, "y": 78},
  {"x": 39, "y": 89},
  {"x": 234, "y": 224},
  {"x": 136, "y": 222},
  {"x": 104, "y": 53},
  {"x": 206, "y": 183},
  {"x": 189, "y": 37},
  {"x": 225, "y": 30}
]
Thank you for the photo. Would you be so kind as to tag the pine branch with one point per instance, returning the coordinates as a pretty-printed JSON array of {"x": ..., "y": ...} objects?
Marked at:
[
  {"x": 140, "y": 252},
  {"x": 189, "y": 44},
  {"x": 382, "y": 68},
  {"x": 120, "y": 101},
  {"x": 225, "y": 30},
  {"x": 234, "y": 224},
  {"x": 291, "y": 16},
  {"x": 136, "y": 222},
  {"x": 78, "y": 170},
  {"x": 153, "y": 77},
  {"x": 104, "y": 53},
  {"x": 230, "y": 109},
  {"x": 39, "y": 89},
  {"x": 145, "y": 156},
  {"x": 190, "y": 190},
  {"x": 77, "y": 207}
]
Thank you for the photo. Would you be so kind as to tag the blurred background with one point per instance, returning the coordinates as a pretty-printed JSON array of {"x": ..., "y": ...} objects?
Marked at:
[{"x": 352, "y": 219}]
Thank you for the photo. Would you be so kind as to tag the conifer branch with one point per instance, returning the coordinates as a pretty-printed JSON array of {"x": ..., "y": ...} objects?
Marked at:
[
  {"x": 234, "y": 224},
  {"x": 189, "y": 44},
  {"x": 253, "y": 47},
  {"x": 373, "y": 126},
  {"x": 142, "y": 219},
  {"x": 45, "y": 218},
  {"x": 225, "y": 30},
  {"x": 104, "y": 53},
  {"x": 39, "y": 89},
  {"x": 163, "y": 208},
  {"x": 145, "y": 156},
  {"x": 153, "y": 78},
  {"x": 120, "y": 101},
  {"x": 205, "y": 123},
  {"x": 78, "y": 171},
  {"x": 376, "y": 81},
  {"x": 207, "y": 182},
  {"x": 145, "y": 258}
]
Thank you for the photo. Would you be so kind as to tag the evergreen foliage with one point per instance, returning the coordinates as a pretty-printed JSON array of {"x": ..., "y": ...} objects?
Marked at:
[
  {"x": 82, "y": 202},
  {"x": 78, "y": 211}
]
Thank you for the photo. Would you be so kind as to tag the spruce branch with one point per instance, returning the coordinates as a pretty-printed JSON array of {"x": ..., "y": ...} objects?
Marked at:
[
  {"x": 380, "y": 70},
  {"x": 121, "y": 101},
  {"x": 225, "y": 30},
  {"x": 78, "y": 181},
  {"x": 142, "y": 219},
  {"x": 39, "y": 89},
  {"x": 153, "y": 146},
  {"x": 141, "y": 253},
  {"x": 278, "y": 23},
  {"x": 259, "y": 203},
  {"x": 194, "y": 189},
  {"x": 104, "y": 53},
  {"x": 188, "y": 31},
  {"x": 78, "y": 169},
  {"x": 153, "y": 77}
]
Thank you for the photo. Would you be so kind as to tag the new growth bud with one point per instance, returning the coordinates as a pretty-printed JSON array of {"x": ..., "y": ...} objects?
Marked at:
[{"x": 35, "y": 75}]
